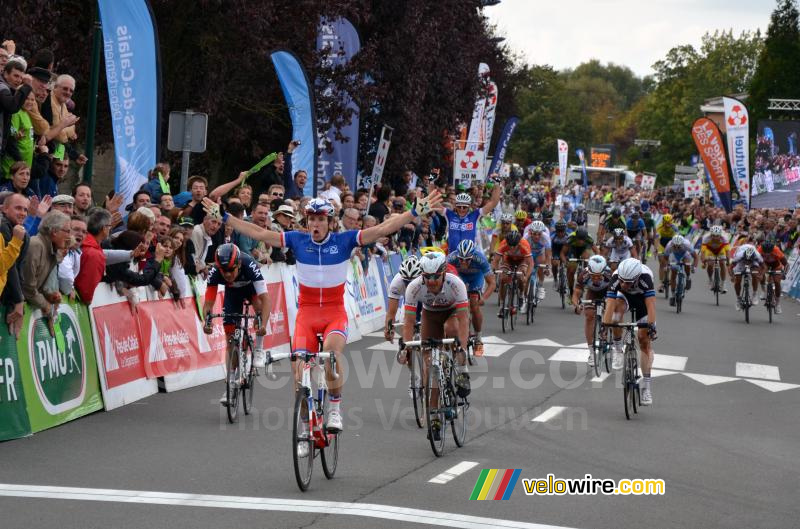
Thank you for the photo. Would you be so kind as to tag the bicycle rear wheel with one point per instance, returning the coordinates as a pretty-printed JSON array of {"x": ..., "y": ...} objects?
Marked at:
[
  {"x": 512, "y": 311},
  {"x": 746, "y": 303},
  {"x": 770, "y": 300},
  {"x": 458, "y": 408},
  {"x": 531, "y": 312},
  {"x": 562, "y": 286},
  {"x": 435, "y": 409},
  {"x": 596, "y": 345},
  {"x": 505, "y": 310},
  {"x": 717, "y": 286},
  {"x": 232, "y": 385},
  {"x": 249, "y": 386},
  {"x": 330, "y": 452},
  {"x": 301, "y": 435},
  {"x": 417, "y": 389}
]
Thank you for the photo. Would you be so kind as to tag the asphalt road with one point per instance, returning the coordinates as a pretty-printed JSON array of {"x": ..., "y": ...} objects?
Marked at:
[{"x": 721, "y": 434}]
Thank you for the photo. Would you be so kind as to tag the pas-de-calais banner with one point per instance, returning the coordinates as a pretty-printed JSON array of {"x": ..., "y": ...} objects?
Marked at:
[
  {"x": 132, "y": 73},
  {"x": 502, "y": 144},
  {"x": 582, "y": 157},
  {"x": 299, "y": 100},
  {"x": 709, "y": 144},
  {"x": 341, "y": 40},
  {"x": 476, "y": 126},
  {"x": 563, "y": 152},
  {"x": 737, "y": 126}
]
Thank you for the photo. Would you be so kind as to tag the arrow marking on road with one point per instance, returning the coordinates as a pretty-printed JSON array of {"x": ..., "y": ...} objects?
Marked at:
[
  {"x": 553, "y": 411},
  {"x": 453, "y": 472},
  {"x": 490, "y": 349},
  {"x": 570, "y": 355},
  {"x": 675, "y": 363},
  {"x": 773, "y": 386},
  {"x": 709, "y": 380},
  {"x": 746, "y": 370},
  {"x": 542, "y": 342}
]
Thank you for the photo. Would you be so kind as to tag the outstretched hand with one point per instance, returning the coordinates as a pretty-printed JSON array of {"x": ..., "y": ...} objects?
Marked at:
[
  {"x": 428, "y": 203},
  {"x": 212, "y": 208}
]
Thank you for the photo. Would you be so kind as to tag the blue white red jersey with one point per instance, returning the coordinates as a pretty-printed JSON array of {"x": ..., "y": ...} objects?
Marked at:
[
  {"x": 322, "y": 266},
  {"x": 460, "y": 228}
]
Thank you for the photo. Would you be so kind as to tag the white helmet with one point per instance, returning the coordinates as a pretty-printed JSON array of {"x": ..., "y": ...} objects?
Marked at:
[
  {"x": 630, "y": 269},
  {"x": 678, "y": 241},
  {"x": 506, "y": 217},
  {"x": 596, "y": 264},
  {"x": 538, "y": 227},
  {"x": 716, "y": 231},
  {"x": 749, "y": 251},
  {"x": 410, "y": 269},
  {"x": 464, "y": 198},
  {"x": 433, "y": 262}
]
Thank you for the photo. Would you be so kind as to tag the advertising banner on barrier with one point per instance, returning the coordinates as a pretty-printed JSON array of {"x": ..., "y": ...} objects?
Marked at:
[
  {"x": 13, "y": 413},
  {"x": 278, "y": 325},
  {"x": 291, "y": 291},
  {"x": 59, "y": 374},
  {"x": 367, "y": 292},
  {"x": 118, "y": 345}
]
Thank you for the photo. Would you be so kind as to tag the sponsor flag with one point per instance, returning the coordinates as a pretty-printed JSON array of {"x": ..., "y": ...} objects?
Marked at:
[
  {"x": 338, "y": 156},
  {"x": 692, "y": 188},
  {"x": 709, "y": 144},
  {"x": 737, "y": 127},
  {"x": 563, "y": 153},
  {"x": 300, "y": 102},
  {"x": 476, "y": 126},
  {"x": 133, "y": 80},
  {"x": 495, "y": 484},
  {"x": 488, "y": 117},
  {"x": 648, "y": 181},
  {"x": 502, "y": 144}
]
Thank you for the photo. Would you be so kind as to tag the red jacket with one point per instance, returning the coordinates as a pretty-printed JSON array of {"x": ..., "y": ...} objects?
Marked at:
[{"x": 93, "y": 266}]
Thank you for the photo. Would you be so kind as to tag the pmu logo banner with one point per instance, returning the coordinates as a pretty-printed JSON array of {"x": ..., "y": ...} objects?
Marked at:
[
  {"x": 132, "y": 73},
  {"x": 737, "y": 127},
  {"x": 338, "y": 154},
  {"x": 495, "y": 484},
  {"x": 709, "y": 144},
  {"x": 58, "y": 370}
]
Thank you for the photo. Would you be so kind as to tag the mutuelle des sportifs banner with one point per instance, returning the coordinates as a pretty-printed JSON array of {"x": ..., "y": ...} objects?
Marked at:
[{"x": 130, "y": 50}]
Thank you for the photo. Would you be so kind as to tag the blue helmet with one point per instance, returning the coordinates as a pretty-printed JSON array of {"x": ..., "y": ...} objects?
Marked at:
[
  {"x": 465, "y": 249},
  {"x": 319, "y": 206}
]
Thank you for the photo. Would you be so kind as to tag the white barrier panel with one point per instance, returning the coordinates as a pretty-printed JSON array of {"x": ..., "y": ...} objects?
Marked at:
[
  {"x": 367, "y": 291},
  {"x": 118, "y": 347}
]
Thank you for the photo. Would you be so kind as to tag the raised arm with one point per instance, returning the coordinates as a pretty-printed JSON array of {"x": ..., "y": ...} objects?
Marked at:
[
  {"x": 388, "y": 227},
  {"x": 494, "y": 199},
  {"x": 222, "y": 190},
  {"x": 272, "y": 238}
]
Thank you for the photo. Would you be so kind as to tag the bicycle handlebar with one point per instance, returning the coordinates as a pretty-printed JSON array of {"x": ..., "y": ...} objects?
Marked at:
[{"x": 430, "y": 342}]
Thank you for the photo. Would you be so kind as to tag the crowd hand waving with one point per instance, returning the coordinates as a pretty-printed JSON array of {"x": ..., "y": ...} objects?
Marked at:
[
  {"x": 33, "y": 206},
  {"x": 114, "y": 203},
  {"x": 116, "y": 219},
  {"x": 212, "y": 208},
  {"x": 425, "y": 205},
  {"x": 44, "y": 206}
]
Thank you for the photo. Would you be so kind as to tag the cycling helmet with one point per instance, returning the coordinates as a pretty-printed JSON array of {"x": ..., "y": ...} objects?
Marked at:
[
  {"x": 572, "y": 225},
  {"x": 667, "y": 218},
  {"x": 463, "y": 199},
  {"x": 648, "y": 215},
  {"x": 547, "y": 215},
  {"x": 716, "y": 231},
  {"x": 619, "y": 233},
  {"x": 615, "y": 212},
  {"x": 227, "y": 257},
  {"x": 538, "y": 227},
  {"x": 629, "y": 269},
  {"x": 749, "y": 251},
  {"x": 678, "y": 241},
  {"x": 466, "y": 249},
  {"x": 513, "y": 238},
  {"x": 410, "y": 268},
  {"x": 596, "y": 264},
  {"x": 536, "y": 216},
  {"x": 635, "y": 214},
  {"x": 506, "y": 217},
  {"x": 561, "y": 225},
  {"x": 767, "y": 246},
  {"x": 433, "y": 263},
  {"x": 582, "y": 233},
  {"x": 581, "y": 207},
  {"x": 520, "y": 215},
  {"x": 319, "y": 206}
]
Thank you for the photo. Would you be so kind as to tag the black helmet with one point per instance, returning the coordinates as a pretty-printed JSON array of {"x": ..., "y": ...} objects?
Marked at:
[
  {"x": 513, "y": 238},
  {"x": 228, "y": 257},
  {"x": 561, "y": 225},
  {"x": 547, "y": 214},
  {"x": 767, "y": 246},
  {"x": 582, "y": 233}
]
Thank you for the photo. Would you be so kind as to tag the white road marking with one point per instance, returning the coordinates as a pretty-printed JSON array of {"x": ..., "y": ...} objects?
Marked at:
[
  {"x": 542, "y": 342},
  {"x": 709, "y": 380},
  {"x": 490, "y": 349},
  {"x": 582, "y": 345},
  {"x": 746, "y": 370},
  {"x": 384, "y": 346},
  {"x": 369, "y": 510},
  {"x": 453, "y": 472},
  {"x": 655, "y": 373},
  {"x": 601, "y": 378},
  {"x": 493, "y": 339},
  {"x": 675, "y": 363},
  {"x": 773, "y": 386},
  {"x": 570, "y": 355},
  {"x": 551, "y": 412}
]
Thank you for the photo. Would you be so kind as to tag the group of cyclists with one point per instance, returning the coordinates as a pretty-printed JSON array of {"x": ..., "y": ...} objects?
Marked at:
[{"x": 444, "y": 289}]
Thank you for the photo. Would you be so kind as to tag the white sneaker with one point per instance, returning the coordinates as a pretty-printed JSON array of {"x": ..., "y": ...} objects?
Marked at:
[
  {"x": 261, "y": 358},
  {"x": 524, "y": 307},
  {"x": 541, "y": 293},
  {"x": 617, "y": 359},
  {"x": 739, "y": 304},
  {"x": 302, "y": 450},
  {"x": 224, "y": 399},
  {"x": 778, "y": 309},
  {"x": 334, "y": 423},
  {"x": 754, "y": 301},
  {"x": 647, "y": 397},
  {"x": 590, "y": 360}
]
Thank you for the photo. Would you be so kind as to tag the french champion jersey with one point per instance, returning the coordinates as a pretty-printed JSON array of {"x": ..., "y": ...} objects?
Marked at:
[
  {"x": 322, "y": 267},
  {"x": 460, "y": 228},
  {"x": 453, "y": 295}
]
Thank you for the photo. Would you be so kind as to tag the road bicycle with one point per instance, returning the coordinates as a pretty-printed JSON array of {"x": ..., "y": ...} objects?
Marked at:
[
  {"x": 240, "y": 372},
  {"x": 770, "y": 302},
  {"x": 601, "y": 345},
  {"x": 415, "y": 385},
  {"x": 508, "y": 305},
  {"x": 447, "y": 406},
  {"x": 630, "y": 375},
  {"x": 746, "y": 298},
  {"x": 716, "y": 277},
  {"x": 310, "y": 406},
  {"x": 533, "y": 298}
]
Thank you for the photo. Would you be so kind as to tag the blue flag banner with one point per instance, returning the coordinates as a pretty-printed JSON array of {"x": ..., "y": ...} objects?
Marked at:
[
  {"x": 582, "y": 157},
  {"x": 131, "y": 57},
  {"x": 338, "y": 156},
  {"x": 297, "y": 92},
  {"x": 713, "y": 189},
  {"x": 502, "y": 144}
]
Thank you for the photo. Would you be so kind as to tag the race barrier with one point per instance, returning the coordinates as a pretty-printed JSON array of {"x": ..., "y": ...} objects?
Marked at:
[
  {"x": 110, "y": 354},
  {"x": 791, "y": 284}
]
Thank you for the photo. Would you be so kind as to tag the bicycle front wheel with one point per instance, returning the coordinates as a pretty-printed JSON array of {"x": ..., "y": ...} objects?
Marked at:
[
  {"x": 301, "y": 436},
  {"x": 458, "y": 409},
  {"x": 717, "y": 286},
  {"x": 330, "y": 453},
  {"x": 562, "y": 286},
  {"x": 596, "y": 345},
  {"x": 512, "y": 305},
  {"x": 232, "y": 385},
  {"x": 435, "y": 407},
  {"x": 770, "y": 300},
  {"x": 417, "y": 389},
  {"x": 250, "y": 380}
]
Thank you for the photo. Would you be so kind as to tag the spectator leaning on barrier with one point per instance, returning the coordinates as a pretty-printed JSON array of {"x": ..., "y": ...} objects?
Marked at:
[
  {"x": 15, "y": 210},
  {"x": 39, "y": 288},
  {"x": 203, "y": 246}
]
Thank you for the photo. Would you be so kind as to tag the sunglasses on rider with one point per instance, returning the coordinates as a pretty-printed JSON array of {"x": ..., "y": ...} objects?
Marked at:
[{"x": 432, "y": 277}]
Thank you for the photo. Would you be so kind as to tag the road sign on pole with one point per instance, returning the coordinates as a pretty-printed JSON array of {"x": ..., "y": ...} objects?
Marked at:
[{"x": 187, "y": 133}]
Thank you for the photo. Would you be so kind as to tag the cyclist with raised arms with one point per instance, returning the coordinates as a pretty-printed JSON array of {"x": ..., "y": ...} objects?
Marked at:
[
  {"x": 632, "y": 289},
  {"x": 475, "y": 272},
  {"x": 243, "y": 280},
  {"x": 594, "y": 281},
  {"x": 444, "y": 314},
  {"x": 463, "y": 223},
  {"x": 323, "y": 258}
]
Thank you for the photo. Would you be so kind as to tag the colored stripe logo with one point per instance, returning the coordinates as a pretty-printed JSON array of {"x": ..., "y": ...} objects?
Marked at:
[{"x": 495, "y": 484}]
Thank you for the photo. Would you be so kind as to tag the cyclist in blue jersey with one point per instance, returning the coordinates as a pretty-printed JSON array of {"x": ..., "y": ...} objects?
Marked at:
[
  {"x": 636, "y": 229},
  {"x": 474, "y": 270},
  {"x": 461, "y": 222}
]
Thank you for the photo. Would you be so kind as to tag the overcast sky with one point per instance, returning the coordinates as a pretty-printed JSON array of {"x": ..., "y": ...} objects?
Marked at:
[{"x": 635, "y": 33}]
